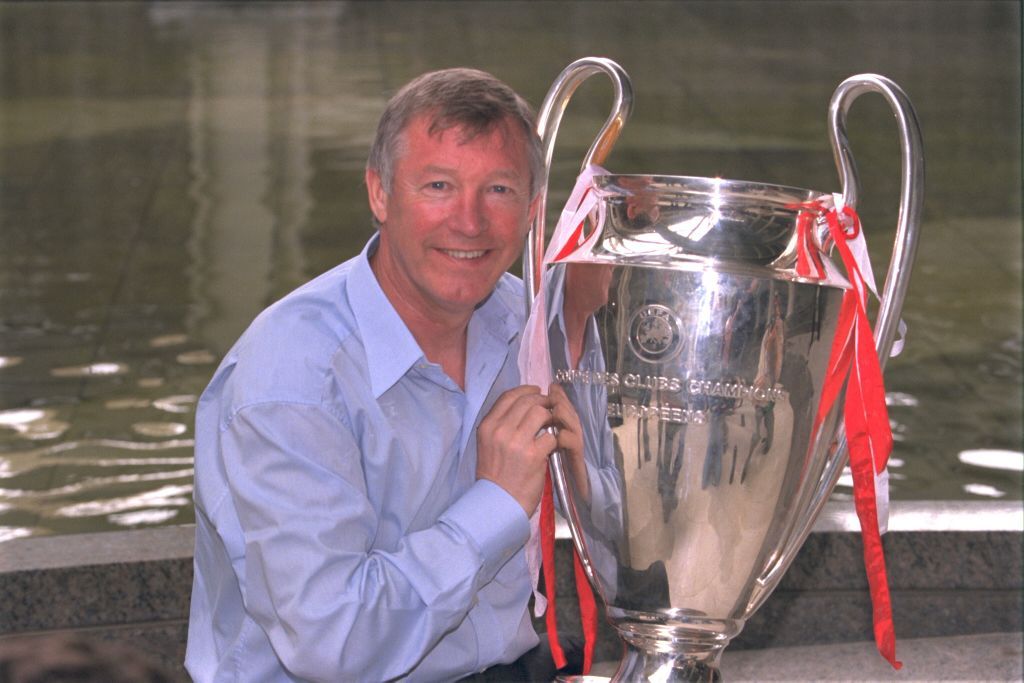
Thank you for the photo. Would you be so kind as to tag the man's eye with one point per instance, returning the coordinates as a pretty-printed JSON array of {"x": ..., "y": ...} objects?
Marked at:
[
  {"x": 501, "y": 189},
  {"x": 438, "y": 185}
]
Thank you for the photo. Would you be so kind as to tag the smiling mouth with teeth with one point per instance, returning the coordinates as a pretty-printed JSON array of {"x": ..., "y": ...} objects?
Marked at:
[{"x": 464, "y": 254}]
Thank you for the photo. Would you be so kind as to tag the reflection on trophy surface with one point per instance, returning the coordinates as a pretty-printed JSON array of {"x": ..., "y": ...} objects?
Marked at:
[{"x": 695, "y": 354}]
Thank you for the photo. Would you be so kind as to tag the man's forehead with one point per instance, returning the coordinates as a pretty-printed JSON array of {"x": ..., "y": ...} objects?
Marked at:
[{"x": 466, "y": 131}]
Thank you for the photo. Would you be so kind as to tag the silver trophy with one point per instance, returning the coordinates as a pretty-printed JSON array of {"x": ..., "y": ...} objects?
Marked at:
[{"x": 698, "y": 381}]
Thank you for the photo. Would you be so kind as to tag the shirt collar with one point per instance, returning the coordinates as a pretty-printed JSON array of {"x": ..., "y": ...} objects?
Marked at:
[
  {"x": 390, "y": 348},
  {"x": 501, "y": 314}
]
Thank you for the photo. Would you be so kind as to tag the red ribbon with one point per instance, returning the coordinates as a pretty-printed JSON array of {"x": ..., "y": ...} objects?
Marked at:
[
  {"x": 808, "y": 258},
  {"x": 547, "y": 550},
  {"x": 869, "y": 436},
  {"x": 585, "y": 596},
  {"x": 575, "y": 240}
]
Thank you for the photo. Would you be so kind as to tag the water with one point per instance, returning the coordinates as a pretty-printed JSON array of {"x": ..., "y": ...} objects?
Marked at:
[{"x": 167, "y": 170}]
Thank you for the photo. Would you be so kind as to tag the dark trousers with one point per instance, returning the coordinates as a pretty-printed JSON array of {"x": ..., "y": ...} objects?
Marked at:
[{"x": 536, "y": 665}]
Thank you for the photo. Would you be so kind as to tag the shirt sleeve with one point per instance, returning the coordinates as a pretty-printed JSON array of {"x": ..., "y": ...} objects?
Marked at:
[{"x": 333, "y": 607}]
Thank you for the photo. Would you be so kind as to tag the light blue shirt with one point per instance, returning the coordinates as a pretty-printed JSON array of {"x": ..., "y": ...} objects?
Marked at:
[{"x": 341, "y": 534}]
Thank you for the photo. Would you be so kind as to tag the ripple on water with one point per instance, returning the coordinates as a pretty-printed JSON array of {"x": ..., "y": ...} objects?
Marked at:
[
  {"x": 159, "y": 429},
  {"x": 9, "y": 533},
  {"x": 10, "y": 361},
  {"x": 1013, "y": 345},
  {"x": 199, "y": 357},
  {"x": 181, "y": 403},
  {"x": 993, "y": 458},
  {"x": 36, "y": 424},
  {"x": 168, "y": 495},
  {"x": 98, "y": 453},
  {"x": 140, "y": 517},
  {"x": 126, "y": 403},
  {"x": 168, "y": 340},
  {"x": 984, "y": 490},
  {"x": 91, "y": 370},
  {"x": 901, "y": 399}
]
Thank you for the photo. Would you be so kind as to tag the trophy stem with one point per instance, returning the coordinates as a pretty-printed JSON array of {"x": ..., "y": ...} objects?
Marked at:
[{"x": 674, "y": 653}]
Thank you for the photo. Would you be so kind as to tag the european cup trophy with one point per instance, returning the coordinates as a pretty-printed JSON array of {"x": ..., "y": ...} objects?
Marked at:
[{"x": 707, "y": 339}]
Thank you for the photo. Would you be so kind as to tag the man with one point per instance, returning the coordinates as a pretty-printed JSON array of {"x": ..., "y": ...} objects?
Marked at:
[{"x": 366, "y": 461}]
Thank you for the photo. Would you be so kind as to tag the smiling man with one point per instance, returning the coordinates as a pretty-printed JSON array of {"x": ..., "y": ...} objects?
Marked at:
[{"x": 366, "y": 459}]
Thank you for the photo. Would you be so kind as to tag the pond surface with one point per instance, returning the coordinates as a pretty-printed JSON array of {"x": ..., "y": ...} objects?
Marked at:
[{"x": 169, "y": 169}]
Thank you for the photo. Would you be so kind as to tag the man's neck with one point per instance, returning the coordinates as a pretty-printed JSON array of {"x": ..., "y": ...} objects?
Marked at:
[
  {"x": 441, "y": 334},
  {"x": 442, "y": 337},
  {"x": 442, "y": 342}
]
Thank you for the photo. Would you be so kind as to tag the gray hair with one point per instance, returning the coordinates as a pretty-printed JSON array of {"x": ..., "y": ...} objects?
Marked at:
[{"x": 473, "y": 100}]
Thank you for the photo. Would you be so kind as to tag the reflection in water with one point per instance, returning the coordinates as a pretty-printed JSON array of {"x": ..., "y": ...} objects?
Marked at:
[
  {"x": 984, "y": 490},
  {"x": 899, "y": 398},
  {"x": 35, "y": 425},
  {"x": 149, "y": 516},
  {"x": 1010, "y": 461},
  {"x": 94, "y": 483},
  {"x": 168, "y": 340},
  {"x": 228, "y": 119},
  {"x": 19, "y": 462},
  {"x": 184, "y": 403},
  {"x": 159, "y": 429},
  {"x": 201, "y": 357},
  {"x": 171, "y": 168},
  {"x": 164, "y": 496},
  {"x": 93, "y": 369},
  {"x": 103, "y": 488},
  {"x": 9, "y": 533},
  {"x": 125, "y": 403}
]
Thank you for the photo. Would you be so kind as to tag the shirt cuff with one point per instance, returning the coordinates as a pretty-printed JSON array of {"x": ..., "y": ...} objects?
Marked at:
[{"x": 493, "y": 520}]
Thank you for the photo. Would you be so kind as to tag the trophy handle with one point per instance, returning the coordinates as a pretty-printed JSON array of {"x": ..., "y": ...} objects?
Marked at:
[
  {"x": 896, "y": 280},
  {"x": 911, "y": 190},
  {"x": 548, "y": 120}
]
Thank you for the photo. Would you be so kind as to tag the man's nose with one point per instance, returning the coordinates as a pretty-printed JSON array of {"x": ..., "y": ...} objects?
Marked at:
[{"x": 471, "y": 214}]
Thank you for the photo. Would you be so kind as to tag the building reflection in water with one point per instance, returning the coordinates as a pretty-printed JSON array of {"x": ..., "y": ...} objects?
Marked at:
[{"x": 169, "y": 169}]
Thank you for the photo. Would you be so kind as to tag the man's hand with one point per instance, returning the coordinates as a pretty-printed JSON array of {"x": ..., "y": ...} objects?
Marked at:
[
  {"x": 513, "y": 445},
  {"x": 570, "y": 438}
]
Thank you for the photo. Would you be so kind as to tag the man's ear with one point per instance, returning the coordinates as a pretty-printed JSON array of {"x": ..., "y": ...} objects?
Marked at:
[{"x": 377, "y": 196}]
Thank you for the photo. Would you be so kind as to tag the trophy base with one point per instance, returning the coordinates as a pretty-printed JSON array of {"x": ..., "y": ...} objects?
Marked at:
[
  {"x": 638, "y": 665},
  {"x": 673, "y": 646}
]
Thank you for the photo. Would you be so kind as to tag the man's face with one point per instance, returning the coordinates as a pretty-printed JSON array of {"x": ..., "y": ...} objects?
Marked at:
[{"x": 455, "y": 218}]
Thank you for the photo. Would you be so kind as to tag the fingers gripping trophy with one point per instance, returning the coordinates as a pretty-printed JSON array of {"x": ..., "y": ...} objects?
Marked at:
[{"x": 713, "y": 337}]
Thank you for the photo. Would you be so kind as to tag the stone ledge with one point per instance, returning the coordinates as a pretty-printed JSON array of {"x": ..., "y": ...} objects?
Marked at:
[{"x": 135, "y": 585}]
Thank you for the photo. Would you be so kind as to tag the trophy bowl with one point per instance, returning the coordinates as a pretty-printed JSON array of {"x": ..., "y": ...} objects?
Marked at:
[{"x": 699, "y": 387}]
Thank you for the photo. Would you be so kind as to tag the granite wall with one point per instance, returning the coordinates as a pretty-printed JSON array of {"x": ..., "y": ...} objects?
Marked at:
[{"x": 952, "y": 579}]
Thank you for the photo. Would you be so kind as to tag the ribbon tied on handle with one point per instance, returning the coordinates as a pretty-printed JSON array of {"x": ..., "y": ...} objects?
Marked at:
[{"x": 854, "y": 361}]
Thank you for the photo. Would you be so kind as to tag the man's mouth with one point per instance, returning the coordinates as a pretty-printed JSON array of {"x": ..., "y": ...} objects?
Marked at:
[{"x": 464, "y": 255}]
